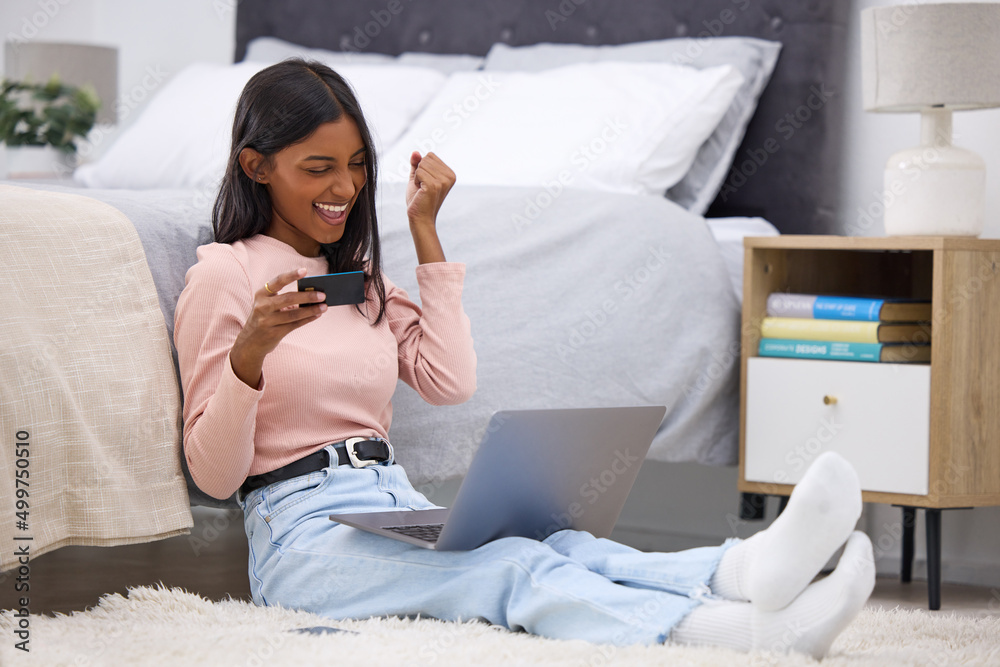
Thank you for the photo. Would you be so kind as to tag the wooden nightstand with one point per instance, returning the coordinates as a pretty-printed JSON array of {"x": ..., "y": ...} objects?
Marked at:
[{"x": 920, "y": 435}]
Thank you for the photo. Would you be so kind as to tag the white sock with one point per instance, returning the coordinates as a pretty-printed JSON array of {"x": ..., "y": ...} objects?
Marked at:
[
  {"x": 728, "y": 624},
  {"x": 815, "y": 618},
  {"x": 772, "y": 567},
  {"x": 729, "y": 580},
  {"x": 808, "y": 625}
]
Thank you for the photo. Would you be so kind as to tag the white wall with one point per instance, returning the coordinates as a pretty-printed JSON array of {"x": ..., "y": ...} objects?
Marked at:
[
  {"x": 48, "y": 21},
  {"x": 673, "y": 505}
]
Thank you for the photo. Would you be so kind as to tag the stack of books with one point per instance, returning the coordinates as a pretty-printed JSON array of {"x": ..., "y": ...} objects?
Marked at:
[{"x": 810, "y": 326}]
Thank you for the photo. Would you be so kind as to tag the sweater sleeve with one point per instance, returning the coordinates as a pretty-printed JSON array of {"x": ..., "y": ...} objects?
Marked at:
[
  {"x": 436, "y": 356},
  {"x": 219, "y": 409}
]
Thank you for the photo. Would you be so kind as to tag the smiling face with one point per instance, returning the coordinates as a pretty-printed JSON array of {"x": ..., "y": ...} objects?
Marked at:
[{"x": 314, "y": 184}]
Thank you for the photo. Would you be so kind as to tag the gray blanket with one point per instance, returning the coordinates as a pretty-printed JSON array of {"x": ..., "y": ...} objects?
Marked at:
[
  {"x": 576, "y": 299},
  {"x": 582, "y": 299}
]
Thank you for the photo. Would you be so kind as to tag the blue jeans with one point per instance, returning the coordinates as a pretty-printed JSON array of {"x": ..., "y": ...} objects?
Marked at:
[{"x": 569, "y": 586}]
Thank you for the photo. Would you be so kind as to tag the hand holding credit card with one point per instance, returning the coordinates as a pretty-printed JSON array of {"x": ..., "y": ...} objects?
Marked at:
[{"x": 340, "y": 288}]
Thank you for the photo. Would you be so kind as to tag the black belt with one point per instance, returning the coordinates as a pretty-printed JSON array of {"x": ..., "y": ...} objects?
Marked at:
[{"x": 358, "y": 452}]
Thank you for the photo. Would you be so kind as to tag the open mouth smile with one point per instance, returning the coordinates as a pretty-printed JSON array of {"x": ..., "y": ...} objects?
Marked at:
[{"x": 334, "y": 214}]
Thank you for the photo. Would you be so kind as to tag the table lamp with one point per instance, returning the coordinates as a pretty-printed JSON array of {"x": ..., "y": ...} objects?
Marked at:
[
  {"x": 932, "y": 58},
  {"x": 75, "y": 65}
]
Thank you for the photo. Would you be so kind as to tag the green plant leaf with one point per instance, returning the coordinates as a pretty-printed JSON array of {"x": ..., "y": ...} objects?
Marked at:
[{"x": 50, "y": 113}]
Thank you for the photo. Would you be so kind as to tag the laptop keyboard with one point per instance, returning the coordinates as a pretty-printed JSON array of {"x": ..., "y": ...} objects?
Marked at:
[{"x": 428, "y": 532}]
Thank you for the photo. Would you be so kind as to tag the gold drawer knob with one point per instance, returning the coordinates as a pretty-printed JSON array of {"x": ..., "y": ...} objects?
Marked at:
[{"x": 829, "y": 400}]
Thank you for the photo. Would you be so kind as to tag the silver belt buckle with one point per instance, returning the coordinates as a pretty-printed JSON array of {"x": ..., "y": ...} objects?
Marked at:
[{"x": 350, "y": 445}]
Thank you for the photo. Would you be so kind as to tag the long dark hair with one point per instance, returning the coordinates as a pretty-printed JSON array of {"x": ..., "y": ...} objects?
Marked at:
[{"x": 281, "y": 105}]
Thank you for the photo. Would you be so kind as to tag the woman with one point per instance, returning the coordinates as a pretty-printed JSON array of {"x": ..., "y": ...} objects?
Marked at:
[{"x": 275, "y": 382}]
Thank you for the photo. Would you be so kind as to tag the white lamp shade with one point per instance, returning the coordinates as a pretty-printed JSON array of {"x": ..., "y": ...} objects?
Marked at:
[
  {"x": 76, "y": 64},
  {"x": 922, "y": 55}
]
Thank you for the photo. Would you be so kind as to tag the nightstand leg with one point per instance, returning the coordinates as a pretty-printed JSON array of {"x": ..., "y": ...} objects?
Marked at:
[
  {"x": 906, "y": 566},
  {"x": 933, "y": 519},
  {"x": 752, "y": 506}
]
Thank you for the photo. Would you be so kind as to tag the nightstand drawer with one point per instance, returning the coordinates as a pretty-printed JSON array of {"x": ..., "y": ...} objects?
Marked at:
[{"x": 876, "y": 415}]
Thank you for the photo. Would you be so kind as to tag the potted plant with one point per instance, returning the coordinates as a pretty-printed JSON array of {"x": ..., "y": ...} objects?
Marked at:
[{"x": 41, "y": 122}]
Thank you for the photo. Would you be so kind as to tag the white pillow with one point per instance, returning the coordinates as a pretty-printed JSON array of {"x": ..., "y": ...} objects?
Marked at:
[
  {"x": 182, "y": 138},
  {"x": 271, "y": 50},
  {"x": 442, "y": 62},
  {"x": 617, "y": 127},
  {"x": 754, "y": 58}
]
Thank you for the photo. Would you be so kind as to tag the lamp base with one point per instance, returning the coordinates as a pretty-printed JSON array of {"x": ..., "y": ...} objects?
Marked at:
[{"x": 935, "y": 191}]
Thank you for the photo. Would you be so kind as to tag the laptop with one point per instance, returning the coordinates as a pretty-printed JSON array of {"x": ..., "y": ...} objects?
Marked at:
[{"x": 535, "y": 472}]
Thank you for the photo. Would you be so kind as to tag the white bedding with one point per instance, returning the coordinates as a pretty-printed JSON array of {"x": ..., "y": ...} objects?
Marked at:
[{"x": 602, "y": 299}]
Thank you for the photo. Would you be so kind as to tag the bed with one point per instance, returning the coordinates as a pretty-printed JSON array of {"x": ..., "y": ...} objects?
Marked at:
[{"x": 594, "y": 279}]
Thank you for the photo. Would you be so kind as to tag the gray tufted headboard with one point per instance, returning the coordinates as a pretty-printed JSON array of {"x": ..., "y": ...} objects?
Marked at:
[{"x": 794, "y": 186}]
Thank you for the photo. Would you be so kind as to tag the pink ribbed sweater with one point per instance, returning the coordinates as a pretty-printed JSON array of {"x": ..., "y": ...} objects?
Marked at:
[{"x": 328, "y": 380}]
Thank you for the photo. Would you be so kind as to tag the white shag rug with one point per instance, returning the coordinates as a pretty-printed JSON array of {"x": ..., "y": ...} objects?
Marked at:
[{"x": 160, "y": 626}]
